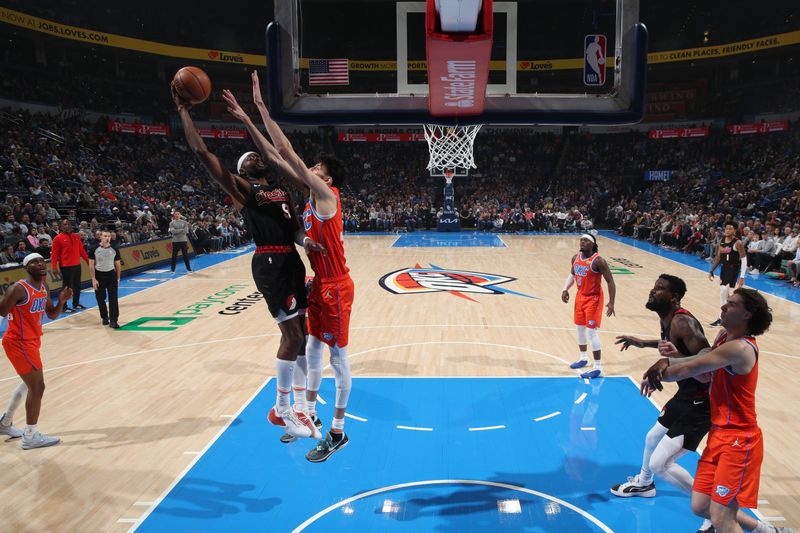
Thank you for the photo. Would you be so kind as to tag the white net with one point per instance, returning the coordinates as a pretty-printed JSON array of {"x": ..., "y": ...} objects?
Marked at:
[{"x": 450, "y": 148}]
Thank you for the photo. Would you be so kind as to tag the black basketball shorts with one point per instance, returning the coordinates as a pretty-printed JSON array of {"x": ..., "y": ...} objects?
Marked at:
[
  {"x": 690, "y": 417},
  {"x": 281, "y": 278}
]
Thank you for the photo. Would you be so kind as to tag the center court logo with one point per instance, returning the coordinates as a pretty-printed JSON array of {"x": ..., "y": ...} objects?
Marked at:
[{"x": 419, "y": 280}]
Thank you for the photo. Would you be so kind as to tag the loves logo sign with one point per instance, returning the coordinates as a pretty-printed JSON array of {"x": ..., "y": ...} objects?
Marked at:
[
  {"x": 137, "y": 255},
  {"x": 420, "y": 280},
  {"x": 169, "y": 247},
  {"x": 213, "y": 54}
]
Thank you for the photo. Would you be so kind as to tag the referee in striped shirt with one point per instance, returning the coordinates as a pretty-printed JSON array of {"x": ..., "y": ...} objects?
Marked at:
[{"x": 105, "y": 265}]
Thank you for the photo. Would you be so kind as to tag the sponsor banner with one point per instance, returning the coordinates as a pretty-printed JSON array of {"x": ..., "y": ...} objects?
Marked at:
[
  {"x": 74, "y": 33},
  {"x": 673, "y": 133},
  {"x": 147, "y": 253},
  {"x": 215, "y": 133},
  {"x": 140, "y": 129},
  {"x": 64, "y": 31},
  {"x": 759, "y": 127},
  {"x": 133, "y": 256},
  {"x": 658, "y": 175},
  {"x": 381, "y": 137}
]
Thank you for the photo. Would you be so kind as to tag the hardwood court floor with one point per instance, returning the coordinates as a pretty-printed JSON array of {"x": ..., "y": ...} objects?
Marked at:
[{"x": 135, "y": 407}]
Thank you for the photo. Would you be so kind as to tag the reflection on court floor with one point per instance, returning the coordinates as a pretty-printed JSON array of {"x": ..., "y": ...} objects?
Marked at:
[{"x": 436, "y": 454}]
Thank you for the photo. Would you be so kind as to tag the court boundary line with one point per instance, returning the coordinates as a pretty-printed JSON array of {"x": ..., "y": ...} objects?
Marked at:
[{"x": 197, "y": 458}]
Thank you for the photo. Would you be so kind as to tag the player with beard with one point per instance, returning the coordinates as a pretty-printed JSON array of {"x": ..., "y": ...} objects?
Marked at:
[
  {"x": 277, "y": 269},
  {"x": 685, "y": 419},
  {"x": 729, "y": 470}
]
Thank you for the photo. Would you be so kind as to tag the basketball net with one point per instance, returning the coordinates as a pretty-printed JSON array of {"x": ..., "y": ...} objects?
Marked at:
[{"x": 451, "y": 149}]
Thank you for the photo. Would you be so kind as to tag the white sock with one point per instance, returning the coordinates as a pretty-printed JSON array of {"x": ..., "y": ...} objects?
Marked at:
[
  {"x": 30, "y": 429},
  {"x": 16, "y": 399},
  {"x": 311, "y": 407},
  {"x": 299, "y": 383},
  {"x": 585, "y": 355},
  {"x": 652, "y": 439},
  {"x": 598, "y": 364},
  {"x": 337, "y": 426},
  {"x": 706, "y": 524},
  {"x": 284, "y": 369}
]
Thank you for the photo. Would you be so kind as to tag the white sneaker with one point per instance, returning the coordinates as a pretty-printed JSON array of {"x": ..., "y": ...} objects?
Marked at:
[
  {"x": 10, "y": 430},
  {"x": 633, "y": 487},
  {"x": 37, "y": 440},
  {"x": 291, "y": 423}
]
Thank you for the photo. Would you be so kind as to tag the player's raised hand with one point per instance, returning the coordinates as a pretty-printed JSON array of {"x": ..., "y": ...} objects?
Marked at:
[
  {"x": 64, "y": 295},
  {"x": 180, "y": 103},
  {"x": 565, "y": 296},
  {"x": 667, "y": 349},
  {"x": 233, "y": 106},
  {"x": 627, "y": 341},
  {"x": 257, "y": 98}
]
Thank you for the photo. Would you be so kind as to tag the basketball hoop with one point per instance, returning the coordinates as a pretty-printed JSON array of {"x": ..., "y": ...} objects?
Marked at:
[
  {"x": 449, "y": 174},
  {"x": 451, "y": 149}
]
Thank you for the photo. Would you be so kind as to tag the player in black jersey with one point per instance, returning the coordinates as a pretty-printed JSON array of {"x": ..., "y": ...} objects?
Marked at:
[
  {"x": 277, "y": 269},
  {"x": 732, "y": 255},
  {"x": 686, "y": 418}
]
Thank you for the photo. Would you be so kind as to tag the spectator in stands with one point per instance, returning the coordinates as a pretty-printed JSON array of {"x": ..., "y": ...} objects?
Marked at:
[
  {"x": 33, "y": 240},
  {"x": 794, "y": 267},
  {"x": 22, "y": 250},
  {"x": 787, "y": 248},
  {"x": 44, "y": 248},
  {"x": 8, "y": 256}
]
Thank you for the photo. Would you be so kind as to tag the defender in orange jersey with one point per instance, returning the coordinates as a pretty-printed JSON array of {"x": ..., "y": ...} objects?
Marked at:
[
  {"x": 586, "y": 270},
  {"x": 25, "y": 304},
  {"x": 331, "y": 296},
  {"x": 729, "y": 470}
]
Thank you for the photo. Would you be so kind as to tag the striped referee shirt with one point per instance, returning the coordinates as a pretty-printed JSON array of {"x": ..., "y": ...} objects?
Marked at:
[{"x": 104, "y": 258}]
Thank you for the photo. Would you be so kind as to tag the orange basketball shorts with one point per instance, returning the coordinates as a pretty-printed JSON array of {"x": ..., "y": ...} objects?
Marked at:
[
  {"x": 589, "y": 310},
  {"x": 730, "y": 467},
  {"x": 23, "y": 354},
  {"x": 329, "y": 306}
]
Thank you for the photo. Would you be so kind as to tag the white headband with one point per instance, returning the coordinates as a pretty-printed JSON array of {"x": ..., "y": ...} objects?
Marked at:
[
  {"x": 589, "y": 236},
  {"x": 31, "y": 257},
  {"x": 241, "y": 161}
]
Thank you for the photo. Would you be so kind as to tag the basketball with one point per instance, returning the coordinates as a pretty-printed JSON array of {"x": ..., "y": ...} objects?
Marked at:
[{"x": 192, "y": 84}]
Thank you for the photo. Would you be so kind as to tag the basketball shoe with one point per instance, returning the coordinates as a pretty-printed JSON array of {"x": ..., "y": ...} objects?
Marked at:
[
  {"x": 327, "y": 447},
  {"x": 633, "y": 487},
  {"x": 580, "y": 363},
  {"x": 9, "y": 430},
  {"x": 37, "y": 440},
  {"x": 294, "y": 423},
  {"x": 286, "y": 438}
]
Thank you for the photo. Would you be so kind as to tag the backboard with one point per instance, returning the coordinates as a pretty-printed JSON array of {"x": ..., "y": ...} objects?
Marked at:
[{"x": 364, "y": 62}]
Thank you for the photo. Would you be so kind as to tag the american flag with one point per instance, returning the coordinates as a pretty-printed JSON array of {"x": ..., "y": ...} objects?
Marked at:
[{"x": 328, "y": 72}]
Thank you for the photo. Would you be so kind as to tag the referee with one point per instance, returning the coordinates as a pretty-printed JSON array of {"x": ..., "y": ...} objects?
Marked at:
[{"x": 105, "y": 265}]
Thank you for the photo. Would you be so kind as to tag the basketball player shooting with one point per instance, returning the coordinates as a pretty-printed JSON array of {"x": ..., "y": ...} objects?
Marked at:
[
  {"x": 331, "y": 297},
  {"x": 277, "y": 268},
  {"x": 586, "y": 270}
]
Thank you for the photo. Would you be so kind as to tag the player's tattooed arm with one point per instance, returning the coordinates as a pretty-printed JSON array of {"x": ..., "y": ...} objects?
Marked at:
[{"x": 689, "y": 331}]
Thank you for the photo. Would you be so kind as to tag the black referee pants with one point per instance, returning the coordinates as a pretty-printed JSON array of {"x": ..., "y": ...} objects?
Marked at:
[
  {"x": 184, "y": 250},
  {"x": 71, "y": 277},
  {"x": 107, "y": 284}
]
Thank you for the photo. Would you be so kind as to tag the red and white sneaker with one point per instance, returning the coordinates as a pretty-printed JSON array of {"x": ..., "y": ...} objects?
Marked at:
[
  {"x": 290, "y": 423},
  {"x": 309, "y": 422}
]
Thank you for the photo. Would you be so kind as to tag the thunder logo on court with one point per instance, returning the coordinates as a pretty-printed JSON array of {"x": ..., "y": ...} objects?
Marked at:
[{"x": 419, "y": 280}]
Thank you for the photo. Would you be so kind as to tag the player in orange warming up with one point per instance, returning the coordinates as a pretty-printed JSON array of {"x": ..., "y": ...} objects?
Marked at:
[
  {"x": 586, "y": 270},
  {"x": 25, "y": 304}
]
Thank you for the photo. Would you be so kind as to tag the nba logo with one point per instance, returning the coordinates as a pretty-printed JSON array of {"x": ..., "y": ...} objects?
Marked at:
[{"x": 594, "y": 60}]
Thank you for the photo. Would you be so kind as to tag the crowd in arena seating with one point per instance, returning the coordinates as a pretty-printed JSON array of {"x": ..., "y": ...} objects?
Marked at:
[{"x": 55, "y": 167}]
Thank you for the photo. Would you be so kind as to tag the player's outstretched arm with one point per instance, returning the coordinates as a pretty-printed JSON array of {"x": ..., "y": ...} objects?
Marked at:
[
  {"x": 324, "y": 197},
  {"x": 215, "y": 169},
  {"x": 268, "y": 152},
  {"x": 732, "y": 354},
  {"x": 602, "y": 266}
]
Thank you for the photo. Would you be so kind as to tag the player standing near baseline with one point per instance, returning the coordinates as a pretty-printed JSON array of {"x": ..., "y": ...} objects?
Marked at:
[
  {"x": 586, "y": 270},
  {"x": 732, "y": 255}
]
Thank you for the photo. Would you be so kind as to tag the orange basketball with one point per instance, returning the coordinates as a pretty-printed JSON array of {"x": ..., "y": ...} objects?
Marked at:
[{"x": 192, "y": 84}]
